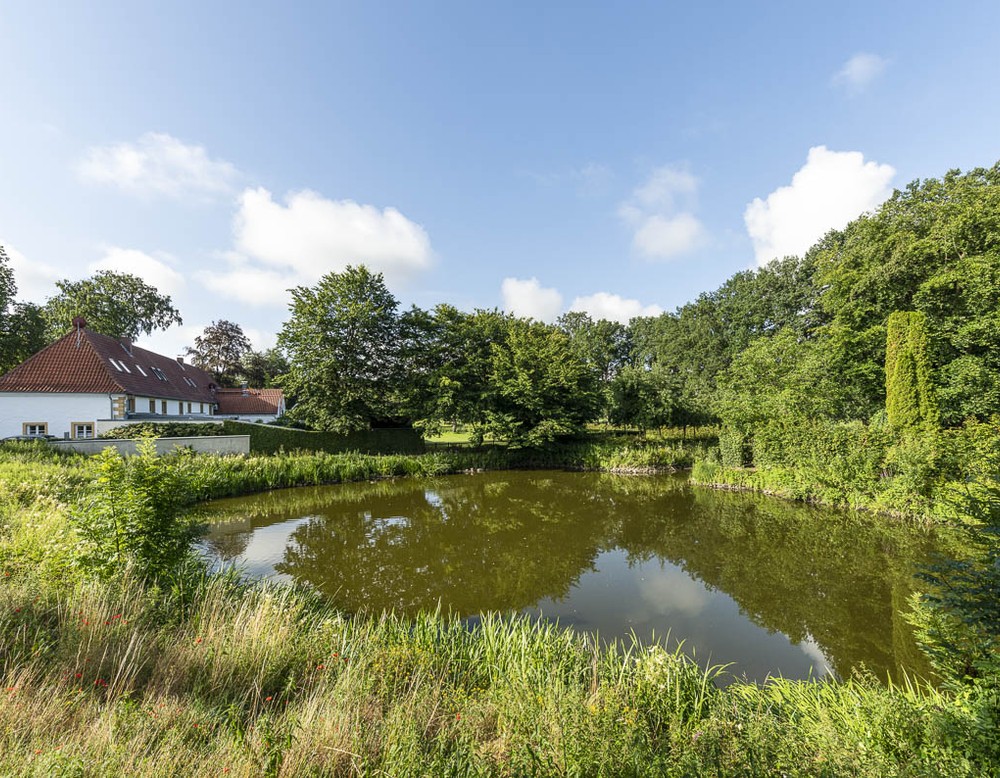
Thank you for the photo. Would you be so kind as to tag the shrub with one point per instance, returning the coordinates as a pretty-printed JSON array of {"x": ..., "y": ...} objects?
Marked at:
[
  {"x": 163, "y": 430},
  {"x": 132, "y": 518}
]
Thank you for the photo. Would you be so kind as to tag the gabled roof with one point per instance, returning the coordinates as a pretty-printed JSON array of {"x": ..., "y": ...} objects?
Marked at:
[
  {"x": 237, "y": 401},
  {"x": 88, "y": 362}
]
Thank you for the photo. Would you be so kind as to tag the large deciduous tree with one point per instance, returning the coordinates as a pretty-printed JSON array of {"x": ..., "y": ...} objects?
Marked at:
[
  {"x": 22, "y": 327},
  {"x": 342, "y": 342},
  {"x": 541, "y": 388},
  {"x": 117, "y": 304},
  {"x": 221, "y": 349}
]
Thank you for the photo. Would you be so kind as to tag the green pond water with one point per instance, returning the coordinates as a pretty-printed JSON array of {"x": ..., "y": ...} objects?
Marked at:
[{"x": 770, "y": 586}]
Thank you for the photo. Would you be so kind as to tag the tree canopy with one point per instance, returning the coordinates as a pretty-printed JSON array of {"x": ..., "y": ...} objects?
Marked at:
[{"x": 117, "y": 304}]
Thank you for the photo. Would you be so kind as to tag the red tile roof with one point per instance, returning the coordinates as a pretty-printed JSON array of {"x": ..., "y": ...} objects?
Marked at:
[
  {"x": 87, "y": 362},
  {"x": 240, "y": 401}
]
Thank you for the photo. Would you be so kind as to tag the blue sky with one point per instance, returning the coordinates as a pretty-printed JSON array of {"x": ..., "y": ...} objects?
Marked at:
[{"x": 613, "y": 157}]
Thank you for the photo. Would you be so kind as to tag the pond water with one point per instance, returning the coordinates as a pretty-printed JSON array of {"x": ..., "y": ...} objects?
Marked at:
[{"x": 770, "y": 586}]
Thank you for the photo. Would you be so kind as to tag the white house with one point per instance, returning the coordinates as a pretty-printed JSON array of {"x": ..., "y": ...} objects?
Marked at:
[{"x": 86, "y": 383}]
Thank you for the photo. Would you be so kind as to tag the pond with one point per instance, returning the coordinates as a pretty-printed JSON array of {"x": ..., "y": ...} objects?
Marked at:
[{"x": 770, "y": 586}]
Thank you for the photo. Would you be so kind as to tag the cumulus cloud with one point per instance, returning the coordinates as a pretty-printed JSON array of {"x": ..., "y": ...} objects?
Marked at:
[
  {"x": 35, "y": 280},
  {"x": 156, "y": 272},
  {"x": 158, "y": 164},
  {"x": 831, "y": 189},
  {"x": 859, "y": 72},
  {"x": 659, "y": 213},
  {"x": 613, "y": 307},
  {"x": 527, "y": 297},
  {"x": 281, "y": 245}
]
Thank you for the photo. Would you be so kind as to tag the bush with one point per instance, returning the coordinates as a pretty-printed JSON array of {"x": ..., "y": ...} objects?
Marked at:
[
  {"x": 163, "y": 430},
  {"x": 132, "y": 518},
  {"x": 268, "y": 439}
]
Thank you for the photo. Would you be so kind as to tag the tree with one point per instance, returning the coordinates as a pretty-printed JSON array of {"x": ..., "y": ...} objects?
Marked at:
[
  {"x": 220, "y": 350},
  {"x": 643, "y": 398},
  {"x": 117, "y": 304},
  {"x": 541, "y": 389},
  {"x": 264, "y": 368},
  {"x": 22, "y": 327},
  {"x": 910, "y": 400},
  {"x": 343, "y": 354}
]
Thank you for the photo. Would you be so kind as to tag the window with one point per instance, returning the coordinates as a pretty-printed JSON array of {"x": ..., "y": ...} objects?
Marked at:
[
  {"x": 35, "y": 428},
  {"x": 116, "y": 366},
  {"x": 152, "y": 406},
  {"x": 180, "y": 408},
  {"x": 130, "y": 405},
  {"x": 158, "y": 373},
  {"x": 139, "y": 368},
  {"x": 82, "y": 429},
  {"x": 189, "y": 407},
  {"x": 125, "y": 367},
  {"x": 201, "y": 407},
  {"x": 163, "y": 405}
]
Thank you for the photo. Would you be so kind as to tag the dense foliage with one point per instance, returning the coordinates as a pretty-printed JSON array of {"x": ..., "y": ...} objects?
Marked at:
[
  {"x": 117, "y": 304},
  {"x": 22, "y": 326}
]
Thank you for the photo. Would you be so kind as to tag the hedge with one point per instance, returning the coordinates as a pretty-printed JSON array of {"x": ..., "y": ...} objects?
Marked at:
[{"x": 269, "y": 439}]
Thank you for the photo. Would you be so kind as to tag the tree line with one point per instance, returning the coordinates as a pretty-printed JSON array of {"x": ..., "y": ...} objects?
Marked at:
[{"x": 801, "y": 338}]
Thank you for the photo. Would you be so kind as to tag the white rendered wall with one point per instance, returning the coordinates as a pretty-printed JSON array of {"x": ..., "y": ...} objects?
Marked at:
[
  {"x": 217, "y": 444},
  {"x": 59, "y": 410}
]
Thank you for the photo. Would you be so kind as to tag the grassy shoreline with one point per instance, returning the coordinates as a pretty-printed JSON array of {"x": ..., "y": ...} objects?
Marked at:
[{"x": 206, "y": 675}]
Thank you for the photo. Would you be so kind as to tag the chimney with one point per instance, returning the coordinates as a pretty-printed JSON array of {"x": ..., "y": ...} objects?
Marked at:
[
  {"x": 180, "y": 360},
  {"x": 79, "y": 322},
  {"x": 126, "y": 345}
]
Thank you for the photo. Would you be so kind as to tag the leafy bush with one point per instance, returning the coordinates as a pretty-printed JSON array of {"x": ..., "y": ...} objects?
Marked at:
[{"x": 132, "y": 518}]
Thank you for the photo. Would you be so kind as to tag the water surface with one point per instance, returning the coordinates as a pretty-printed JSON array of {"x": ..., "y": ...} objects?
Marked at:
[{"x": 770, "y": 586}]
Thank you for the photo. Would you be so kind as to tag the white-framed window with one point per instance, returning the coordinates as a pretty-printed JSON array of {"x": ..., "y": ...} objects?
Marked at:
[
  {"x": 152, "y": 406},
  {"x": 35, "y": 428},
  {"x": 82, "y": 429}
]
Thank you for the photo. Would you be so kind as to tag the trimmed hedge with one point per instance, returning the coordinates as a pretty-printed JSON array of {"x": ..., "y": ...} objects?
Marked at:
[
  {"x": 163, "y": 430},
  {"x": 269, "y": 439}
]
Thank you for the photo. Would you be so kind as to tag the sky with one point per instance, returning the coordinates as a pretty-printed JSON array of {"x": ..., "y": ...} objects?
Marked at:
[{"x": 615, "y": 158}]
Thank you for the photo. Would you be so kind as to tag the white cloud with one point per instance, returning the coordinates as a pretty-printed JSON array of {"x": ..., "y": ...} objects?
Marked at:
[
  {"x": 527, "y": 297},
  {"x": 156, "y": 272},
  {"x": 612, "y": 307},
  {"x": 279, "y": 246},
  {"x": 35, "y": 280},
  {"x": 161, "y": 164},
  {"x": 659, "y": 213},
  {"x": 859, "y": 72},
  {"x": 831, "y": 189}
]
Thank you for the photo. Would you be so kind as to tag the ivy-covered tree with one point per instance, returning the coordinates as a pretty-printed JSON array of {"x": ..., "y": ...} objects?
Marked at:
[
  {"x": 117, "y": 304},
  {"x": 910, "y": 400},
  {"x": 342, "y": 342}
]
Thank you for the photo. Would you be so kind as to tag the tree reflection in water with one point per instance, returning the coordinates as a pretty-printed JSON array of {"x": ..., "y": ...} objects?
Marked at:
[{"x": 831, "y": 581}]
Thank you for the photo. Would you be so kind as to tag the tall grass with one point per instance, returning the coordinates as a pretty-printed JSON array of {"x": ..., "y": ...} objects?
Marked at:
[{"x": 259, "y": 680}]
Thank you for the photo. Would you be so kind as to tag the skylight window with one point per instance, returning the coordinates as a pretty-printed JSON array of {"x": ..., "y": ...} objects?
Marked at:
[
  {"x": 115, "y": 365},
  {"x": 139, "y": 368},
  {"x": 158, "y": 373}
]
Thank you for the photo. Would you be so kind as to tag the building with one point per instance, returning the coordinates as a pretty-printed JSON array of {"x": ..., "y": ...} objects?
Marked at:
[
  {"x": 260, "y": 405},
  {"x": 87, "y": 383}
]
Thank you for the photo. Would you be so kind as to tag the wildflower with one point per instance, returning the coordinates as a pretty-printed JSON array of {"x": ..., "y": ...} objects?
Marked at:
[
  {"x": 268, "y": 699},
  {"x": 197, "y": 640},
  {"x": 320, "y": 667}
]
